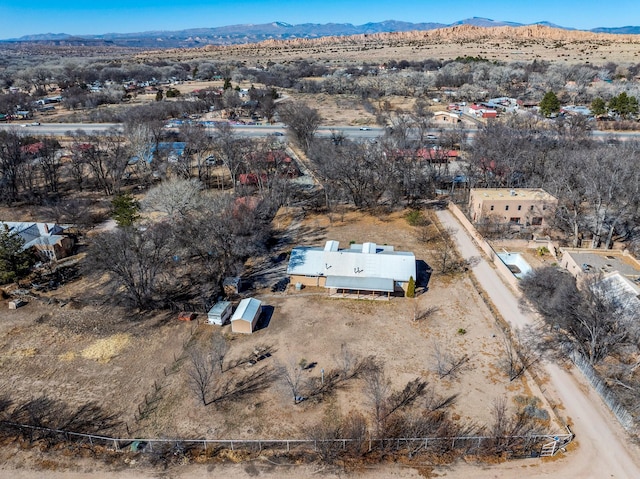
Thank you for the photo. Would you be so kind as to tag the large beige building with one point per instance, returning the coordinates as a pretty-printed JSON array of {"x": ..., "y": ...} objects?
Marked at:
[{"x": 520, "y": 206}]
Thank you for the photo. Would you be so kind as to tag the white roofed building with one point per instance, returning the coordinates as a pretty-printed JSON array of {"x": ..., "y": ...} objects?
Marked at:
[{"x": 364, "y": 270}]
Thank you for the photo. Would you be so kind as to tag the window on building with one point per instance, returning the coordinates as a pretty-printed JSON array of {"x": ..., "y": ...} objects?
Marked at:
[
  {"x": 536, "y": 221},
  {"x": 519, "y": 207},
  {"x": 531, "y": 208},
  {"x": 506, "y": 208},
  {"x": 544, "y": 207},
  {"x": 491, "y": 207},
  {"x": 514, "y": 220}
]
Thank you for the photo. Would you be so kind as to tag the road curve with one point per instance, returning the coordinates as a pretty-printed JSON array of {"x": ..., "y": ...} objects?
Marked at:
[{"x": 603, "y": 448}]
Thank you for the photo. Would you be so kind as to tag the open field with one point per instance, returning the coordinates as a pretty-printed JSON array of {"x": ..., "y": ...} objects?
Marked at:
[{"x": 137, "y": 368}]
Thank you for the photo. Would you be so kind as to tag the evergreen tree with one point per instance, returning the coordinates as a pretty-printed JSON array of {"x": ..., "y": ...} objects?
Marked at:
[
  {"x": 624, "y": 105},
  {"x": 549, "y": 104},
  {"x": 14, "y": 261},
  {"x": 125, "y": 209},
  {"x": 598, "y": 107},
  {"x": 411, "y": 288}
]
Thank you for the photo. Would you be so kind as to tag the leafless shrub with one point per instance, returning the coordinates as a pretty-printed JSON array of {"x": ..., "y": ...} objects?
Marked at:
[{"x": 446, "y": 363}]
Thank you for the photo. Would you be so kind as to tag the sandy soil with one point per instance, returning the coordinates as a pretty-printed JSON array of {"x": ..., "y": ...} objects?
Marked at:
[
  {"x": 44, "y": 349},
  {"x": 604, "y": 449}
]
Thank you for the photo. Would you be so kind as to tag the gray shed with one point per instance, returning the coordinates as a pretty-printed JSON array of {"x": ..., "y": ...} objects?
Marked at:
[{"x": 220, "y": 313}]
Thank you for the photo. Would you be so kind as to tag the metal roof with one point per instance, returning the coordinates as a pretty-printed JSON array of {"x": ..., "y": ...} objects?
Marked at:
[
  {"x": 355, "y": 262},
  {"x": 219, "y": 308},
  {"x": 360, "y": 284},
  {"x": 247, "y": 310}
]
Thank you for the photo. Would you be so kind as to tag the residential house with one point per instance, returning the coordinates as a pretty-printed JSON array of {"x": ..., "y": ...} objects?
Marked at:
[
  {"x": 532, "y": 207},
  {"x": 362, "y": 270},
  {"x": 616, "y": 273},
  {"x": 47, "y": 239},
  {"x": 447, "y": 117}
]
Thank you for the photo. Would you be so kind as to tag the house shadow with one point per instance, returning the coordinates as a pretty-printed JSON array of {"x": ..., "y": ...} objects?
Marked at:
[
  {"x": 265, "y": 317},
  {"x": 424, "y": 272}
]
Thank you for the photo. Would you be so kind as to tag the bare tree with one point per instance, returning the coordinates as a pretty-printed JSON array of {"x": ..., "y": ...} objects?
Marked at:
[
  {"x": 291, "y": 374},
  {"x": 446, "y": 362},
  {"x": 518, "y": 356},
  {"x": 302, "y": 121},
  {"x": 178, "y": 198},
  {"x": 219, "y": 350},
  {"x": 201, "y": 372},
  {"x": 377, "y": 388},
  {"x": 137, "y": 260},
  {"x": 229, "y": 148},
  {"x": 594, "y": 320}
]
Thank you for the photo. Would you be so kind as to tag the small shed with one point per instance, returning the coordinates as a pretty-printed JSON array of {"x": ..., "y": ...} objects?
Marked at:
[
  {"x": 246, "y": 316},
  {"x": 16, "y": 303},
  {"x": 220, "y": 313},
  {"x": 232, "y": 285}
]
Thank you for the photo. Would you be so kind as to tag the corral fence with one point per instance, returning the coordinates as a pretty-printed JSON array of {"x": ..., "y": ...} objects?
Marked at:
[{"x": 513, "y": 446}]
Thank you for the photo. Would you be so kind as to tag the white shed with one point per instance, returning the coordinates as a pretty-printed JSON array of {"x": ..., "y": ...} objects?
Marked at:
[
  {"x": 246, "y": 316},
  {"x": 220, "y": 313}
]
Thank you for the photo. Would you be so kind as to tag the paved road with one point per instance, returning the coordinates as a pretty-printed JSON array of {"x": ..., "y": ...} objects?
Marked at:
[
  {"x": 353, "y": 132},
  {"x": 603, "y": 450}
]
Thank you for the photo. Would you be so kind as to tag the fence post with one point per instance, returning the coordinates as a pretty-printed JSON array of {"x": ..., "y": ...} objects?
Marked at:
[{"x": 115, "y": 444}]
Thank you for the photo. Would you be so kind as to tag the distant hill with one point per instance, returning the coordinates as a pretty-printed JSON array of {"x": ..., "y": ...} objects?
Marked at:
[
  {"x": 250, "y": 33},
  {"x": 619, "y": 31}
]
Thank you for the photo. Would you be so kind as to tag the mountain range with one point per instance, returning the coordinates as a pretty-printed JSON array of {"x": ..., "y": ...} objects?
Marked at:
[{"x": 251, "y": 33}]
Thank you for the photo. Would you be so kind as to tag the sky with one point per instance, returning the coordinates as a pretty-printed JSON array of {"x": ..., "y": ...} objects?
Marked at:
[{"x": 77, "y": 17}]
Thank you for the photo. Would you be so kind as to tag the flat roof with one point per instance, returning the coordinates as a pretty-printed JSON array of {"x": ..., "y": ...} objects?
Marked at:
[
  {"x": 360, "y": 284},
  {"x": 219, "y": 308},
  {"x": 605, "y": 262},
  {"x": 537, "y": 194}
]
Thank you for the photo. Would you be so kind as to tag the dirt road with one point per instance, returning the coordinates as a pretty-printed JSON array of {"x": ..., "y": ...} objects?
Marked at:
[{"x": 603, "y": 447}]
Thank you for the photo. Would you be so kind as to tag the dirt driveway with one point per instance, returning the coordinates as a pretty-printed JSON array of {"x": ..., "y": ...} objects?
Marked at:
[{"x": 604, "y": 448}]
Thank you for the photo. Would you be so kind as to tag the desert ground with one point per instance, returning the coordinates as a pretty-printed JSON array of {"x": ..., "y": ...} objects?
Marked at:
[
  {"x": 524, "y": 44},
  {"x": 71, "y": 348}
]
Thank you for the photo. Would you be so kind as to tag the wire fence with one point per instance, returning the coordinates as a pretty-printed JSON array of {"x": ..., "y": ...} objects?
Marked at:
[
  {"x": 518, "y": 445},
  {"x": 609, "y": 397}
]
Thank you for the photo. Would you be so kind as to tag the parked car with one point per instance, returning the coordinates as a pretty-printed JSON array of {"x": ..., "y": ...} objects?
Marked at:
[{"x": 364, "y": 128}]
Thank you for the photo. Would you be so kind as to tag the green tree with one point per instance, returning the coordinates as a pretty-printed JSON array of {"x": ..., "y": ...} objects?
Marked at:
[
  {"x": 227, "y": 84},
  {"x": 624, "y": 105},
  {"x": 173, "y": 93},
  {"x": 411, "y": 288},
  {"x": 125, "y": 209},
  {"x": 598, "y": 107},
  {"x": 159, "y": 95},
  {"x": 549, "y": 104},
  {"x": 14, "y": 260}
]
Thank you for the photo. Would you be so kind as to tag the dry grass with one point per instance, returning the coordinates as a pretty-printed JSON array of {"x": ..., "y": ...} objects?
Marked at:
[{"x": 103, "y": 350}]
